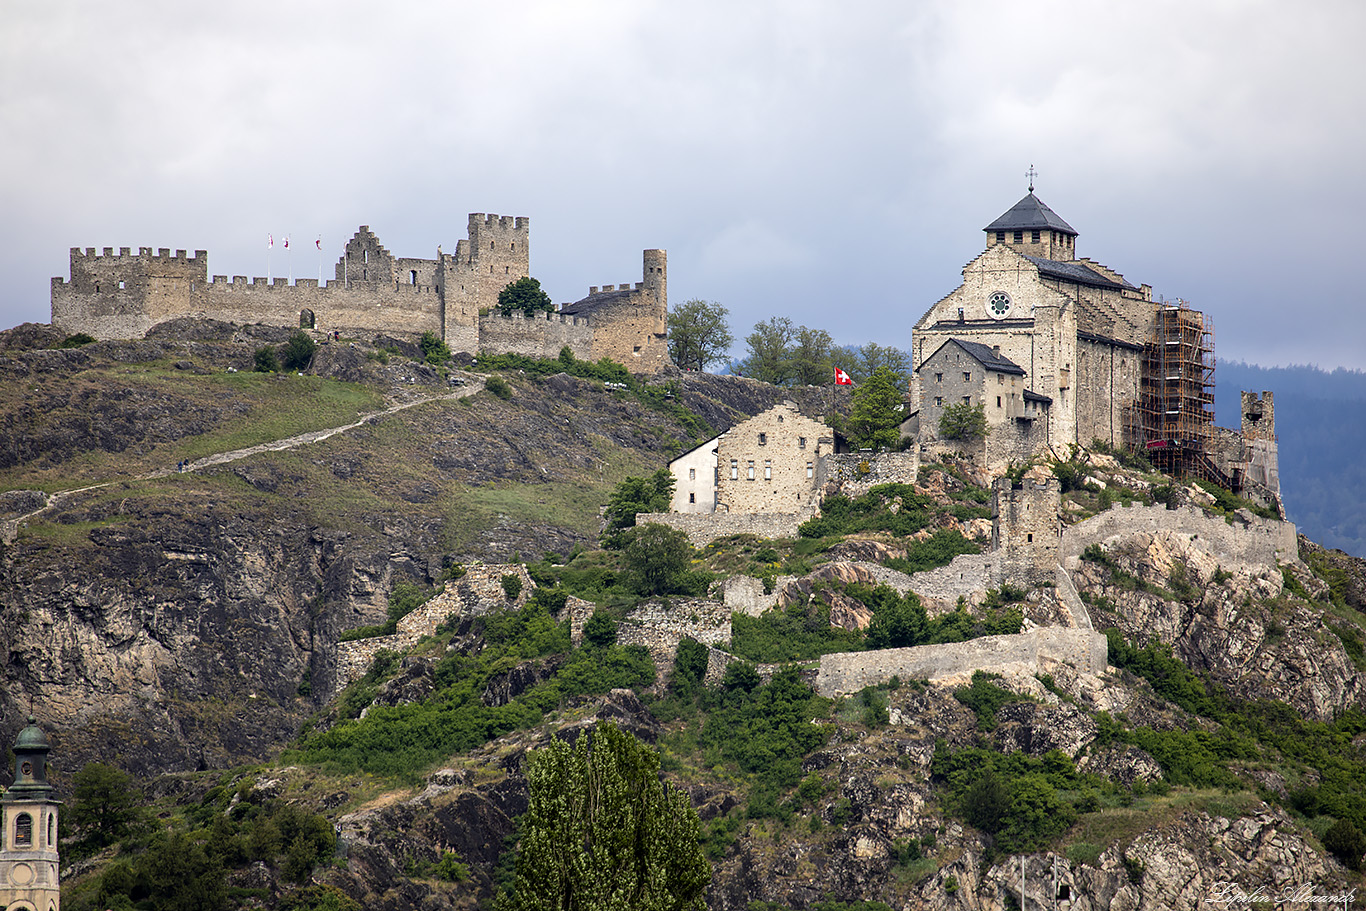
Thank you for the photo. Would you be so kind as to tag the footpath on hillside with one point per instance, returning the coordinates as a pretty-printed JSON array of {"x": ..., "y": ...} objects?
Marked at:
[{"x": 10, "y": 529}]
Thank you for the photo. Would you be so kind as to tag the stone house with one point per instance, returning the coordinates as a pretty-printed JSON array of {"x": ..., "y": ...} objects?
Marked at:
[
  {"x": 963, "y": 372},
  {"x": 695, "y": 479},
  {"x": 767, "y": 464}
]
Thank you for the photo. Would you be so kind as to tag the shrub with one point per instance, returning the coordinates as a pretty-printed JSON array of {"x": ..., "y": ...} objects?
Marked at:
[
  {"x": 298, "y": 352},
  {"x": 76, "y": 340},
  {"x": 265, "y": 360},
  {"x": 963, "y": 422},
  {"x": 1345, "y": 842},
  {"x": 434, "y": 350},
  {"x": 512, "y": 586},
  {"x": 499, "y": 387}
]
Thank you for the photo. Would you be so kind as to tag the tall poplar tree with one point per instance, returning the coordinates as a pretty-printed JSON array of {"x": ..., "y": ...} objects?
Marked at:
[{"x": 602, "y": 833}]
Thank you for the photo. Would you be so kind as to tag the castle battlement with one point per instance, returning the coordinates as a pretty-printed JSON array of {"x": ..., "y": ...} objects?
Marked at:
[
  {"x": 564, "y": 319},
  {"x": 124, "y": 295},
  {"x": 109, "y": 257}
]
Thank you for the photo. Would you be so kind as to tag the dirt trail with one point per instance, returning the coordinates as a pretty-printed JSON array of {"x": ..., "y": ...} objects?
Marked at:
[{"x": 10, "y": 529}]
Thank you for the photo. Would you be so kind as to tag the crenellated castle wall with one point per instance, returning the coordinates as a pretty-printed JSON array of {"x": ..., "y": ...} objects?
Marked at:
[{"x": 373, "y": 291}]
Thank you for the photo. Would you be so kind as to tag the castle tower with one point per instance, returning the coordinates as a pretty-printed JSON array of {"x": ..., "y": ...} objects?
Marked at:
[
  {"x": 1025, "y": 528},
  {"x": 1033, "y": 229},
  {"x": 28, "y": 850}
]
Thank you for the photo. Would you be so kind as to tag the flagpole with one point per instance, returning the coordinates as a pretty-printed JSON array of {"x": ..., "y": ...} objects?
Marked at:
[
  {"x": 270, "y": 245},
  {"x": 319, "y": 243},
  {"x": 289, "y": 260}
]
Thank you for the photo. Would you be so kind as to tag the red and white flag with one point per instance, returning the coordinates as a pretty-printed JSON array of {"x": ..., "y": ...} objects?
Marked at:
[
  {"x": 270, "y": 241},
  {"x": 842, "y": 378},
  {"x": 319, "y": 244},
  {"x": 286, "y": 241}
]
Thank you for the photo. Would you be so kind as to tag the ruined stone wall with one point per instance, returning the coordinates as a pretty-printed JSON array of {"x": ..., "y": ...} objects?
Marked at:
[
  {"x": 123, "y": 295},
  {"x": 855, "y": 473},
  {"x": 704, "y": 528},
  {"x": 1248, "y": 542},
  {"x": 1038, "y": 651},
  {"x": 478, "y": 592},
  {"x": 495, "y": 253},
  {"x": 967, "y": 576}
]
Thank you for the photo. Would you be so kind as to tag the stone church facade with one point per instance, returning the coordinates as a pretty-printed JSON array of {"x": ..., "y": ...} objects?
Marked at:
[{"x": 1071, "y": 331}]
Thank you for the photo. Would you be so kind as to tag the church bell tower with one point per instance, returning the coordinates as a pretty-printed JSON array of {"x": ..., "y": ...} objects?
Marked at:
[{"x": 28, "y": 850}]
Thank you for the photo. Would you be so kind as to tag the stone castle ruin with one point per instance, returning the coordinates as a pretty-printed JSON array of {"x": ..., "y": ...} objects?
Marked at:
[{"x": 454, "y": 296}]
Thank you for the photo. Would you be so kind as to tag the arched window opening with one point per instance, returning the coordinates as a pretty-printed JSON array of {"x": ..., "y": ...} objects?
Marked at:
[
  {"x": 23, "y": 831},
  {"x": 412, "y": 277}
]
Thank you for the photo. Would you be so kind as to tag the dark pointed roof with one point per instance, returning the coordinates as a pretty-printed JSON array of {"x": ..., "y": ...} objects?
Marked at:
[
  {"x": 1030, "y": 214},
  {"x": 985, "y": 355}
]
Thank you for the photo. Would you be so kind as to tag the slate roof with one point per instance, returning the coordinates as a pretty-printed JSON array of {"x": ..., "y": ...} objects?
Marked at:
[
  {"x": 1030, "y": 213},
  {"x": 1075, "y": 272},
  {"x": 986, "y": 356},
  {"x": 588, "y": 303},
  {"x": 1032, "y": 396}
]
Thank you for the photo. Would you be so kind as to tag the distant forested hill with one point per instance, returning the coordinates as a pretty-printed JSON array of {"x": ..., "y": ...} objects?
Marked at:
[{"x": 1321, "y": 426}]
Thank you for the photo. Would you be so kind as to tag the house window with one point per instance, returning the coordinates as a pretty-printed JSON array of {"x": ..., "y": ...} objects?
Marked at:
[
  {"x": 51, "y": 829},
  {"x": 810, "y": 469},
  {"x": 967, "y": 400},
  {"x": 960, "y": 314},
  {"x": 939, "y": 401},
  {"x": 1034, "y": 238},
  {"x": 692, "y": 474},
  {"x": 768, "y": 469},
  {"x": 123, "y": 285},
  {"x": 763, "y": 439},
  {"x": 734, "y": 470},
  {"x": 23, "y": 831},
  {"x": 967, "y": 376},
  {"x": 751, "y": 471},
  {"x": 412, "y": 276},
  {"x": 1019, "y": 237},
  {"x": 1000, "y": 237},
  {"x": 1000, "y": 379},
  {"x": 801, "y": 442},
  {"x": 998, "y": 401},
  {"x": 692, "y": 498},
  {"x": 939, "y": 377}
]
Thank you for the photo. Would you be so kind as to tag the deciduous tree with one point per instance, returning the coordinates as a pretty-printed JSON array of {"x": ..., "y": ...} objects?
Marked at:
[
  {"x": 963, "y": 422},
  {"x": 875, "y": 418},
  {"x": 770, "y": 351},
  {"x": 524, "y": 294},
  {"x": 698, "y": 334}
]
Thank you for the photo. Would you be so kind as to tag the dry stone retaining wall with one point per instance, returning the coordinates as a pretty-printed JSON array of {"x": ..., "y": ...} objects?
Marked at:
[
  {"x": 704, "y": 528},
  {"x": 1250, "y": 541},
  {"x": 478, "y": 592},
  {"x": 1037, "y": 651}
]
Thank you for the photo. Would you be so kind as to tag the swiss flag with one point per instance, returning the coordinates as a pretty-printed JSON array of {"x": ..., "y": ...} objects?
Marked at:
[{"x": 842, "y": 378}]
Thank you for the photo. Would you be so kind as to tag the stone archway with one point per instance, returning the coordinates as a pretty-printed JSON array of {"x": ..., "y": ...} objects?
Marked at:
[{"x": 307, "y": 320}]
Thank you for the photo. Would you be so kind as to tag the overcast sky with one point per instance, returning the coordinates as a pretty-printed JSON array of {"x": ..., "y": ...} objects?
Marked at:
[{"x": 833, "y": 162}]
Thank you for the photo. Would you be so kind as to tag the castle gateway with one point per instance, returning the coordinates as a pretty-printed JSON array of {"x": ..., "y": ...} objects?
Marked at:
[{"x": 453, "y": 296}]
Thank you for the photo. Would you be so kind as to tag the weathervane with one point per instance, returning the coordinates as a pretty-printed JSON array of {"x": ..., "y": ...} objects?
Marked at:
[{"x": 1031, "y": 174}]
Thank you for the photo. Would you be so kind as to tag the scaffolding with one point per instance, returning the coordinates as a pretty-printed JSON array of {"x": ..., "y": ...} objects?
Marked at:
[{"x": 1176, "y": 394}]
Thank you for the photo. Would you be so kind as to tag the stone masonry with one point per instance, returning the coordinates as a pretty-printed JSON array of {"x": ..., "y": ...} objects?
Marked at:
[
  {"x": 1038, "y": 651},
  {"x": 478, "y": 592},
  {"x": 453, "y": 296}
]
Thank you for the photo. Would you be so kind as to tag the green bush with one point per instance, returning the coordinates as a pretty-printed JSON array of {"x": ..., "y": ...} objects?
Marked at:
[
  {"x": 434, "y": 349},
  {"x": 297, "y": 353},
  {"x": 499, "y": 387},
  {"x": 76, "y": 340},
  {"x": 963, "y": 421},
  {"x": 265, "y": 360}
]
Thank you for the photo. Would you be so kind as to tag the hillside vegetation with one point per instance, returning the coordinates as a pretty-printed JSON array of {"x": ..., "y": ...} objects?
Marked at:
[{"x": 182, "y": 626}]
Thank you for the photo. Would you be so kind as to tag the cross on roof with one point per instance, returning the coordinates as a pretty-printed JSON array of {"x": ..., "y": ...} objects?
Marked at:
[{"x": 1031, "y": 174}]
